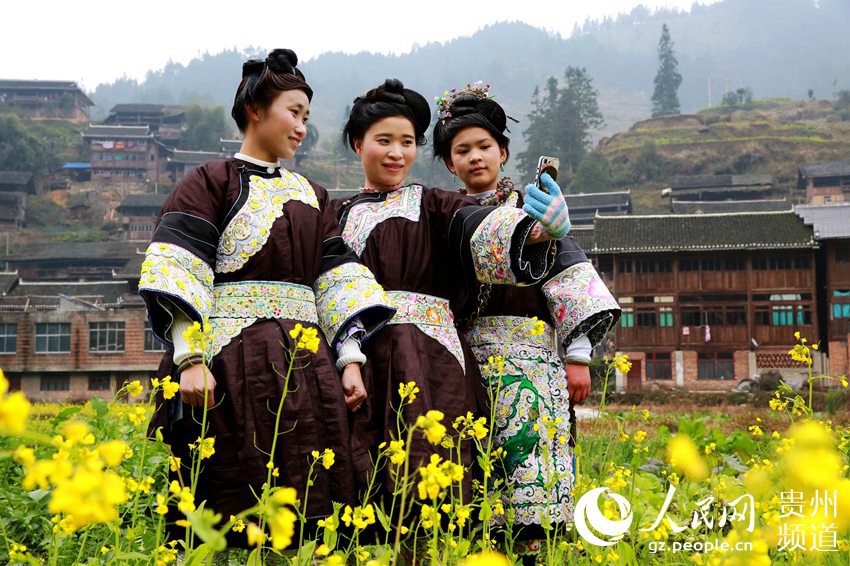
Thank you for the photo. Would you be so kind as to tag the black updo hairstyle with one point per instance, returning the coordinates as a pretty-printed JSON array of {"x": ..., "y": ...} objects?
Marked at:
[
  {"x": 468, "y": 110},
  {"x": 387, "y": 100},
  {"x": 263, "y": 80}
]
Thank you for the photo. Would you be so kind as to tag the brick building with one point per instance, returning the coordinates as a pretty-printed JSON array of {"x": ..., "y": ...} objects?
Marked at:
[
  {"x": 67, "y": 342},
  {"x": 831, "y": 226},
  {"x": 825, "y": 182},
  {"x": 710, "y": 299}
]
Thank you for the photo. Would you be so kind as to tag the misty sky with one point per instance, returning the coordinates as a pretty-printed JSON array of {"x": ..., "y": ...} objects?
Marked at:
[{"x": 98, "y": 41}]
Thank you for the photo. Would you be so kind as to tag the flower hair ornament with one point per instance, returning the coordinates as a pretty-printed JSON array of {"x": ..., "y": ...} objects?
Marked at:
[{"x": 477, "y": 90}]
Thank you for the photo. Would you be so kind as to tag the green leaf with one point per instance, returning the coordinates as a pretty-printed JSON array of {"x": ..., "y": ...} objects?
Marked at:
[
  {"x": 38, "y": 494},
  {"x": 64, "y": 415},
  {"x": 305, "y": 553},
  {"x": 382, "y": 518},
  {"x": 99, "y": 406},
  {"x": 203, "y": 522},
  {"x": 199, "y": 555}
]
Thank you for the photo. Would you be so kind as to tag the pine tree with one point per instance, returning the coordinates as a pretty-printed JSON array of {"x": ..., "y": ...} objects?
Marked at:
[
  {"x": 665, "y": 99},
  {"x": 560, "y": 122}
]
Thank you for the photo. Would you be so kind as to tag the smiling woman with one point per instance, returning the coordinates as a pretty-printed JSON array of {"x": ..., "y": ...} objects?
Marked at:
[
  {"x": 427, "y": 247},
  {"x": 255, "y": 251}
]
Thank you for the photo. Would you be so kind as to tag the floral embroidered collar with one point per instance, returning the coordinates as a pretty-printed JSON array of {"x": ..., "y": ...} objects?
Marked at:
[{"x": 499, "y": 195}]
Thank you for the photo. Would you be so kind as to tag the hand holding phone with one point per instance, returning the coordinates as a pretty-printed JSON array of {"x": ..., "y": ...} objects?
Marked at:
[{"x": 546, "y": 165}]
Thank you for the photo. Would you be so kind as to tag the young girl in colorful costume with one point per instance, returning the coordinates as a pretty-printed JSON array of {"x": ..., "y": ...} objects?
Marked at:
[
  {"x": 255, "y": 251},
  {"x": 543, "y": 375}
]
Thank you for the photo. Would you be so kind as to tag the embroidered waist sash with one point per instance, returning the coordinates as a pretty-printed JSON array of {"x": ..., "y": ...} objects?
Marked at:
[
  {"x": 239, "y": 305},
  {"x": 515, "y": 330},
  {"x": 432, "y": 315}
]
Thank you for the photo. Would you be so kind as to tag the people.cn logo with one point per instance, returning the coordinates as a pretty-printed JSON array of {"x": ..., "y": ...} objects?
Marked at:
[{"x": 590, "y": 520}]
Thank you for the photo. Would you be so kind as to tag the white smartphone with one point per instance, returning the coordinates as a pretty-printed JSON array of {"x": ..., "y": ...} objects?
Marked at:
[{"x": 546, "y": 165}]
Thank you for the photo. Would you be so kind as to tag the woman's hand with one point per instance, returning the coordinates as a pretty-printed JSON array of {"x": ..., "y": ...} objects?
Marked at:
[
  {"x": 578, "y": 382},
  {"x": 548, "y": 209},
  {"x": 192, "y": 382},
  {"x": 352, "y": 386}
]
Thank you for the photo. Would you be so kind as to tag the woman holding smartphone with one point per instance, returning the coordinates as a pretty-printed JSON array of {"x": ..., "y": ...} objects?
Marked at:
[
  {"x": 427, "y": 247},
  {"x": 544, "y": 375}
]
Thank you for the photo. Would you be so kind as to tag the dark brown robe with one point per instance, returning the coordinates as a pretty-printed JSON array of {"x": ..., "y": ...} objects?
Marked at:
[
  {"x": 301, "y": 244},
  {"x": 423, "y": 248}
]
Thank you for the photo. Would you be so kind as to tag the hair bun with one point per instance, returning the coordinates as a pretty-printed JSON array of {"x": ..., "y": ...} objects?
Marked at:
[
  {"x": 394, "y": 86},
  {"x": 282, "y": 61}
]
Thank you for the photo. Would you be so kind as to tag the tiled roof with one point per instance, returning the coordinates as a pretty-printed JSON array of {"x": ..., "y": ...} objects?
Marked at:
[
  {"x": 830, "y": 169},
  {"x": 703, "y": 206},
  {"x": 719, "y": 181},
  {"x": 142, "y": 201},
  {"x": 679, "y": 232},
  {"x": 103, "y": 131},
  {"x": 15, "y": 177},
  {"x": 193, "y": 157},
  {"x": 136, "y": 108},
  {"x": 76, "y": 250},
  {"x": 11, "y": 85},
  {"x": 583, "y": 236},
  {"x": 8, "y": 279},
  {"x": 599, "y": 200},
  {"x": 39, "y": 296},
  {"x": 230, "y": 146},
  {"x": 827, "y": 220}
]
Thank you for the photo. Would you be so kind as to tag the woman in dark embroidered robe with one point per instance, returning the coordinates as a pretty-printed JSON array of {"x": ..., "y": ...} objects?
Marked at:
[
  {"x": 417, "y": 241},
  {"x": 544, "y": 374},
  {"x": 254, "y": 250}
]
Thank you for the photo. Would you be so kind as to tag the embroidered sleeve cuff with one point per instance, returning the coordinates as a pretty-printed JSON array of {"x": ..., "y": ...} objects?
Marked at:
[
  {"x": 176, "y": 274},
  {"x": 580, "y": 304},
  {"x": 355, "y": 330},
  {"x": 499, "y": 253},
  {"x": 348, "y": 293},
  {"x": 349, "y": 352}
]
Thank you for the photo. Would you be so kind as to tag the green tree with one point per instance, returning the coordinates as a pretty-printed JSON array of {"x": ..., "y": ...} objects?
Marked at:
[
  {"x": 20, "y": 148},
  {"x": 561, "y": 121},
  {"x": 665, "y": 98},
  {"x": 593, "y": 175},
  {"x": 203, "y": 128}
]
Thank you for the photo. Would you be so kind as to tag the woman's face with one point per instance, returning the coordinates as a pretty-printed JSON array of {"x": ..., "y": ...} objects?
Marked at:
[
  {"x": 279, "y": 129},
  {"x": 387, "y": 150},
  {"x": 476, "y": 159}
]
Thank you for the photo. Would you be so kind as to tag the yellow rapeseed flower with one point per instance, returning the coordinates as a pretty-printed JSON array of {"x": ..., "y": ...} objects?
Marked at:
[
  {"x": 205, "y": 447},
  {"x": 622, "y": 364},
  {"x": 134, "y": 388},
  {"x": 238, "y": 524},
  {"x": 430, "y": 424},
  {"x": 14, "y": 409},
  {"x": 407, "y": 391},
  {"x": 255, "y": 535},
  {"x": 485, "y": 558},
  {"x": 112, "y": 452},
  {"x": 684, "y": 456},
  {"x": 24, "y": 456},
  {"x": 396, "y": 452},
  {"x": 89, "y": 496}
]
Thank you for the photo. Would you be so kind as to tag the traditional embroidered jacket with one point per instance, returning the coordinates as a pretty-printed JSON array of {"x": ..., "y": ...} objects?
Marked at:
[
  {"x": 255, "y": 251},
  {"x": 572, "y": 302},
  {"x": 424, "y": 246}
]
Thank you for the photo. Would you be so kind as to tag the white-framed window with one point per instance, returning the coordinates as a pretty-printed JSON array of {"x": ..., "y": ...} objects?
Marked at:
[
  {"x": 53, "y": 338},
  {"x": 8, "y": 338},
  {"x": 106, "y": 337}
]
